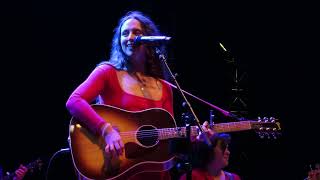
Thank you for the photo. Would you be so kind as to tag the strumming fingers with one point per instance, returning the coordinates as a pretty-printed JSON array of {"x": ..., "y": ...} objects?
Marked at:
[
  {"x": 106, "y": 148},
  {"x": 118, "y": 148},
  {"x": 121, "y": 144},
  {"x": 109, "y": 148}
]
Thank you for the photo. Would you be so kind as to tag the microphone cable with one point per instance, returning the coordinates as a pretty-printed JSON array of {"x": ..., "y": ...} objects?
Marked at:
[{"x": 52, "y": 157}]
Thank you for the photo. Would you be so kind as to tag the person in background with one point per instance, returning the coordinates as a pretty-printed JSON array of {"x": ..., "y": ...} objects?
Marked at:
[{"x": 209, "y": 162}]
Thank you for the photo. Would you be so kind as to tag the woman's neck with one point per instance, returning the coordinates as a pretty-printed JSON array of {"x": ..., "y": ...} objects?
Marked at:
[
  {"x": 137, "y": 67},
  {"x": 138, "y": 62}
]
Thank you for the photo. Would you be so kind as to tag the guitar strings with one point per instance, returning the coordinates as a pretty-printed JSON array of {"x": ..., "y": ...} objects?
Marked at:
[
  {"x": 168, "y": 132},
  {"x": 154, "y": 133},
  {"x": 221, "y": 126}
]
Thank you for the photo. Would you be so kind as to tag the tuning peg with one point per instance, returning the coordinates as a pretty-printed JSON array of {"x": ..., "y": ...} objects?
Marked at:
[
  {"x": 272, "y": 119},
  {"x": 269, "y": 137},
  {"x": 261, "y": 135},
  {"x": 259, "y": 119},
  {"x": 274, "y": 135},
  {"x": 265, "y": 119}
]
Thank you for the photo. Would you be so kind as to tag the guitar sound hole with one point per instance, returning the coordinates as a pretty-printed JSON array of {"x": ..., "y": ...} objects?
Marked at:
[{"x": 147, "y": 135}]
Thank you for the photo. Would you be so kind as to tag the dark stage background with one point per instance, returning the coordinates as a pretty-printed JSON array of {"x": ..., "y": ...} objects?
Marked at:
[{"x": 54, "y": 45}]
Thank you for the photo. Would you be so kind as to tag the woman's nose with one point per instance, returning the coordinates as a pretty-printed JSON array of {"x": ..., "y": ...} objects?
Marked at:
[{"x": 131, "y": 36}]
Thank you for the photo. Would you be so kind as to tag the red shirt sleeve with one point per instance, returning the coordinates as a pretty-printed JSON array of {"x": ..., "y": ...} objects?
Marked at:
[{"x": 79, "y": 101}]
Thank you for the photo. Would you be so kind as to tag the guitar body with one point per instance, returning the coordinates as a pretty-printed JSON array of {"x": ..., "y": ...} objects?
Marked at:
[{"x": 144, "y": 149}]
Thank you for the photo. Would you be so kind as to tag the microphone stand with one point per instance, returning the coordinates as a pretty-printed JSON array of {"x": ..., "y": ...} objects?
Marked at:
[
  {"x": 222, "y": 111},
  {"x": 206, "y": 138}
]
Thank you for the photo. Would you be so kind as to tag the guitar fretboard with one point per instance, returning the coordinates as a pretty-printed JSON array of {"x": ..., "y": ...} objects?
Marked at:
[
  {"x": 233, "y": 126},
  {"x": 167, "y": 133}
]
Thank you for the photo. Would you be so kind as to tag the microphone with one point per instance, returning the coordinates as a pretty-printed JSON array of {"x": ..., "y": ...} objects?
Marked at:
[{"x": 151, "y": 40}]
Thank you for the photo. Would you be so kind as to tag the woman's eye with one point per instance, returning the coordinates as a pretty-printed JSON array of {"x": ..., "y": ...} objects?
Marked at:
[
  {"x": 138, "y": 33},
  {"x": 125, "y": 33}
]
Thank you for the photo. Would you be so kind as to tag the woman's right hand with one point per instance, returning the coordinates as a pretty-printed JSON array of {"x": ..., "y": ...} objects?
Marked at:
[{"x": 114, "y": 144}]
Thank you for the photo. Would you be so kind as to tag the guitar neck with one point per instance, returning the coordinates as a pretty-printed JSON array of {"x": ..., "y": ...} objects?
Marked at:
[
  {"x": 179, "y": 132},
  {"x": 233, "y": 126}
]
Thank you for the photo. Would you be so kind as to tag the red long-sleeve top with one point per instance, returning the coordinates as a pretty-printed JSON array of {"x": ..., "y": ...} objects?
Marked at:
[{"x": 103, "y": 83}]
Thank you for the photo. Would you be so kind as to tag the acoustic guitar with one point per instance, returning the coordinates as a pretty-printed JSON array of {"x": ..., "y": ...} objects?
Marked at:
[{"x": 145, "y": 135}]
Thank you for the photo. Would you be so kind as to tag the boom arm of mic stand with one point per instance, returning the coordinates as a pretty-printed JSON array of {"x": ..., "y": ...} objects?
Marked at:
[
  {"x": 164, "y": 60},
  {"x": 224, "y": 112}
]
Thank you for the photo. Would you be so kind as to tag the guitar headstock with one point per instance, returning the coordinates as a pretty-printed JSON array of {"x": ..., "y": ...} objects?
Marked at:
[{"x": 267, "y": 127}]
